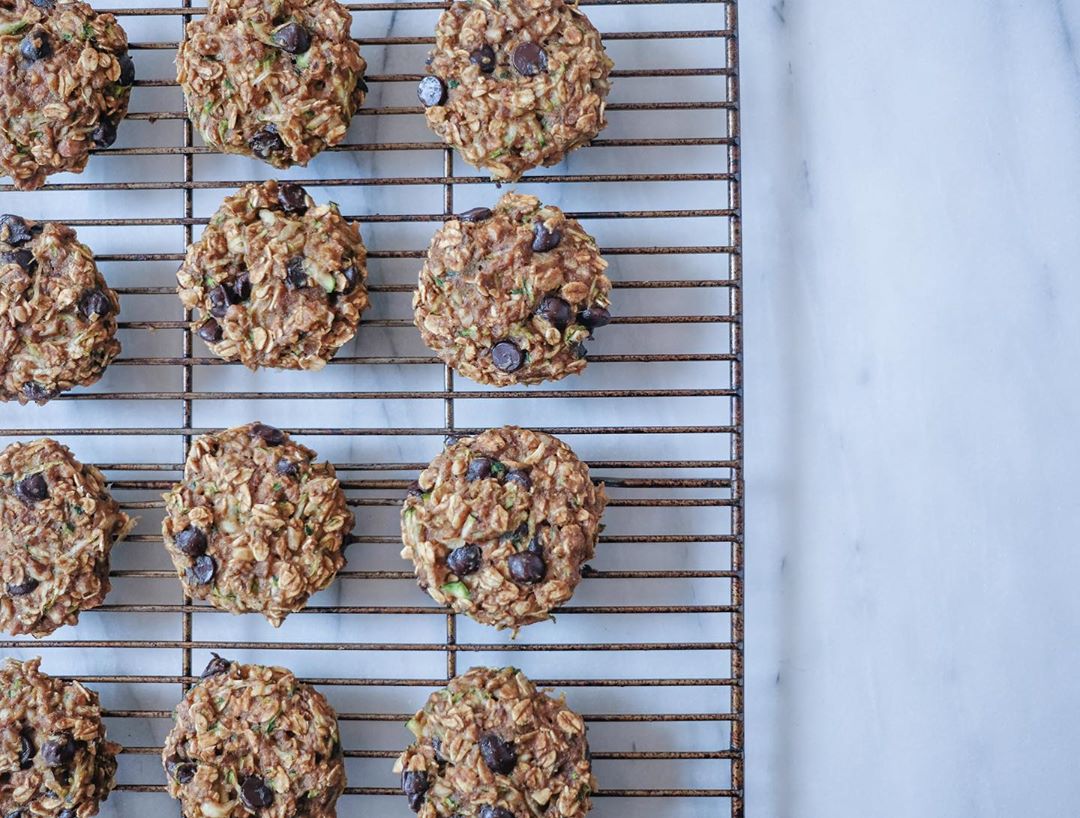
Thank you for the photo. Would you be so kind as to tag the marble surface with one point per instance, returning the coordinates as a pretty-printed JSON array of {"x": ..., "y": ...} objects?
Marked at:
[{"x": 912, "y": 355}]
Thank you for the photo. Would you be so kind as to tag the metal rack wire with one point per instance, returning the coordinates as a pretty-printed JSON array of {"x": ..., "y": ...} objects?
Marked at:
[{"x": 666, "y": 716}]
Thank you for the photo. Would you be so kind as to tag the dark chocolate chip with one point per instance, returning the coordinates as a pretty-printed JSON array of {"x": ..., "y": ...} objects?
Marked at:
[
  {"x": 527, "y": 567},
  {"x": 414, "y": 489},
  {"x": 17, "y": 813},
  {"x": 202, "y": 570},
  {"x": 104, "y": 133},
  {"x": 477, "y": 214},
  {"x": 127, "y": 69},
  {"x": 241, "y": 288},
  {"x": 580, "y": 351},
  {"x": 489, "y": 811},
  {"x": 464, "y": 560},
  {"x": 14, "y": 230},
  {"x": 32, "y": 489},
  {"x": 292, "y": 198},
  {"x": 431, "y": 91},
  {"x": 506, "y": 356},
  {"x": 594, "y": 317},
  {"x": 23, "y": 258},
  {"x": 216, "y": 666},
  {"x": 519, "y": 476},
  {"x": 255, "y": 794},
  {"x": 23, "y": 588},
  {"x": 210, "y": 331},
  {"x": 35, "y": 45},
  {"x": 184, "y": 772},
  {"x": 221, "y": 298},
  {"x": 267, "y": 434},
  {"x": 529, "y": 59},
  {"x": 27, "y": 751},
  {"x": 484, "y": 56},
  {"x": 351, "y": 279},
  {"x": 479, "y": 468},
  {"x": 499, "y": 755},
  {"x": 292, "y": 38},
  {"x": 287, "y": 467},
  {"x": 190, "y": 542},
  {"x": 59, "y": 750},
  {"x": 414, "y": 783},
  {"x": 556, "y": 311},
  {"x": 536, "y": 545},
  {"x": 544, "y": 239},
  {"x": 295, "y": 274},
  {"x": 94, "y": 302},
  {"x": 35, "y": 391},
  {"x": 266, "y": 142},
  {"x": 67, "y": 812},
  {"x": 303, "y": 804}
]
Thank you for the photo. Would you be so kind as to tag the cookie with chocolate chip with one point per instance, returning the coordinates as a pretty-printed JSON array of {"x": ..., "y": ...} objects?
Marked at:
[
  {"x": 517, "y": 84},
  {"x": 55, "y": 759},
  {"x": 278, "y": 280},
  {"x": 257, "y": 524},
  {"x": 58, "y": 524},
  {"x": 250, "y": 739},
  {"x": 499, "y": 525},
  {"x": 278, "y": 80},
  {"x": 65, "y": 80},
  {"x": 491, "y": 745},
  {"x": 57, "y": 314},
  {"x": 510, "y": 295}
]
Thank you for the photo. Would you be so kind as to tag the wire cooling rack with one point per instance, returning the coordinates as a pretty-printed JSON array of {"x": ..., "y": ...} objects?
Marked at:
[{"x": 650, "y": 649}]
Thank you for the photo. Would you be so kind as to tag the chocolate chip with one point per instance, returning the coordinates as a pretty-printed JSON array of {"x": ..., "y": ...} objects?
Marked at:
[
  {"x": 190, "y": 542},
  {"x": 18, "y": 813},
  {"x": 216, "y": 666},
  {"x": 519, "y": 476},
  {"x": 295, "y": 274},
  {"x": 292, "y": 198},
  {"x": 303, "y": 804},
  {"x": 67, "y": 812},
  {"x": 127, "y": 69},
  {"x": 414, "y": 489},
  {"x": 267, "y": 434},
  {"x": 255, "y": 794},
  {"x": 210, "y": 331},
  {"x": 594, "y": 317},
  {"x": 479, "y": 468},
  {"x": 414, "y": 783},
  {"x": 241, "y": 288},
  {"x": 35, "y": 391},
  {"x": 556, "y": 311},
  {"x": 431, "y": 91},
  {"x": 23, "y": 258},
  {"x": 527, "y": 567},
  {"x": 221, "y": 298},
  {"x": 506, "y": 356},
  {"x": 287, "y": 468},
  {"x": 477, "y": 214},
  {"x": 94, "y": 302},
  {"x": 351, "y": 279},
  {"x": 292, "y": 38},
  {"x": 59, "y": 750},
  {"x": 266, "y": 142},
  {"x": 202, "y": 570},
  {"x": 536, "y": 545},
  {"x": 104, "y": 133},
  {"x": 14, "y": 230},
  {"x": 27, "y": 751},
  {"x": 465, "y": 560},
  {"x": 183, "y": 773},
  {"x": 544, "y": 239},
  {"x": 32, "y": 489},
  {"x": 22, "y": 588},
  {"x": 499, "y": 755},
  {"x": 35, "y": 45},
  {"x": 529, "y": 59},
  {"x": 580, "y": 351},
  {"x": 489, "y": 811},
  {"x": 484, "y": 56}
]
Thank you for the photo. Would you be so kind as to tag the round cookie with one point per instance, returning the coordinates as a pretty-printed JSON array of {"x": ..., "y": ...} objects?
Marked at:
[
  {"x": 256, "y": 525},
  {"x": 253, "y": 739},
  {"x": 491, "y": 745},
  {"x": 57, "y": 526},
  {"x": 499, "y": 525},
  {"x": 515, "y": 84},
  {"x": 509, "y": 296},
  {"x": 279, "y": 281},
  {"x": 57, "y": 314},
  {"x": 65, "y": 80},
  {"x": 275, "y": 79},
  {"x": 55, "y": 759}
]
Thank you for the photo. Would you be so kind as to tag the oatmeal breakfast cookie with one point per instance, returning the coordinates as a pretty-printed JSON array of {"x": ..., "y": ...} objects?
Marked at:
[
  {"x": 279, "y": 281},
  {"x": 256, "y": 524},
  {"x": 254, "y": 739},
  {"x": 57, "y": 526},
  {"x": 57, "y": 314},
  {"x": 275, "y": 79},
  {"x": 514, "y": 84},
  {"x": 55, "y": 759},
  {"x": 509, "y": 296},
  {"x": 491, "y": 745},
  {"x": 499, "y": 525},
  {"x": 65, "y": 79}
]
